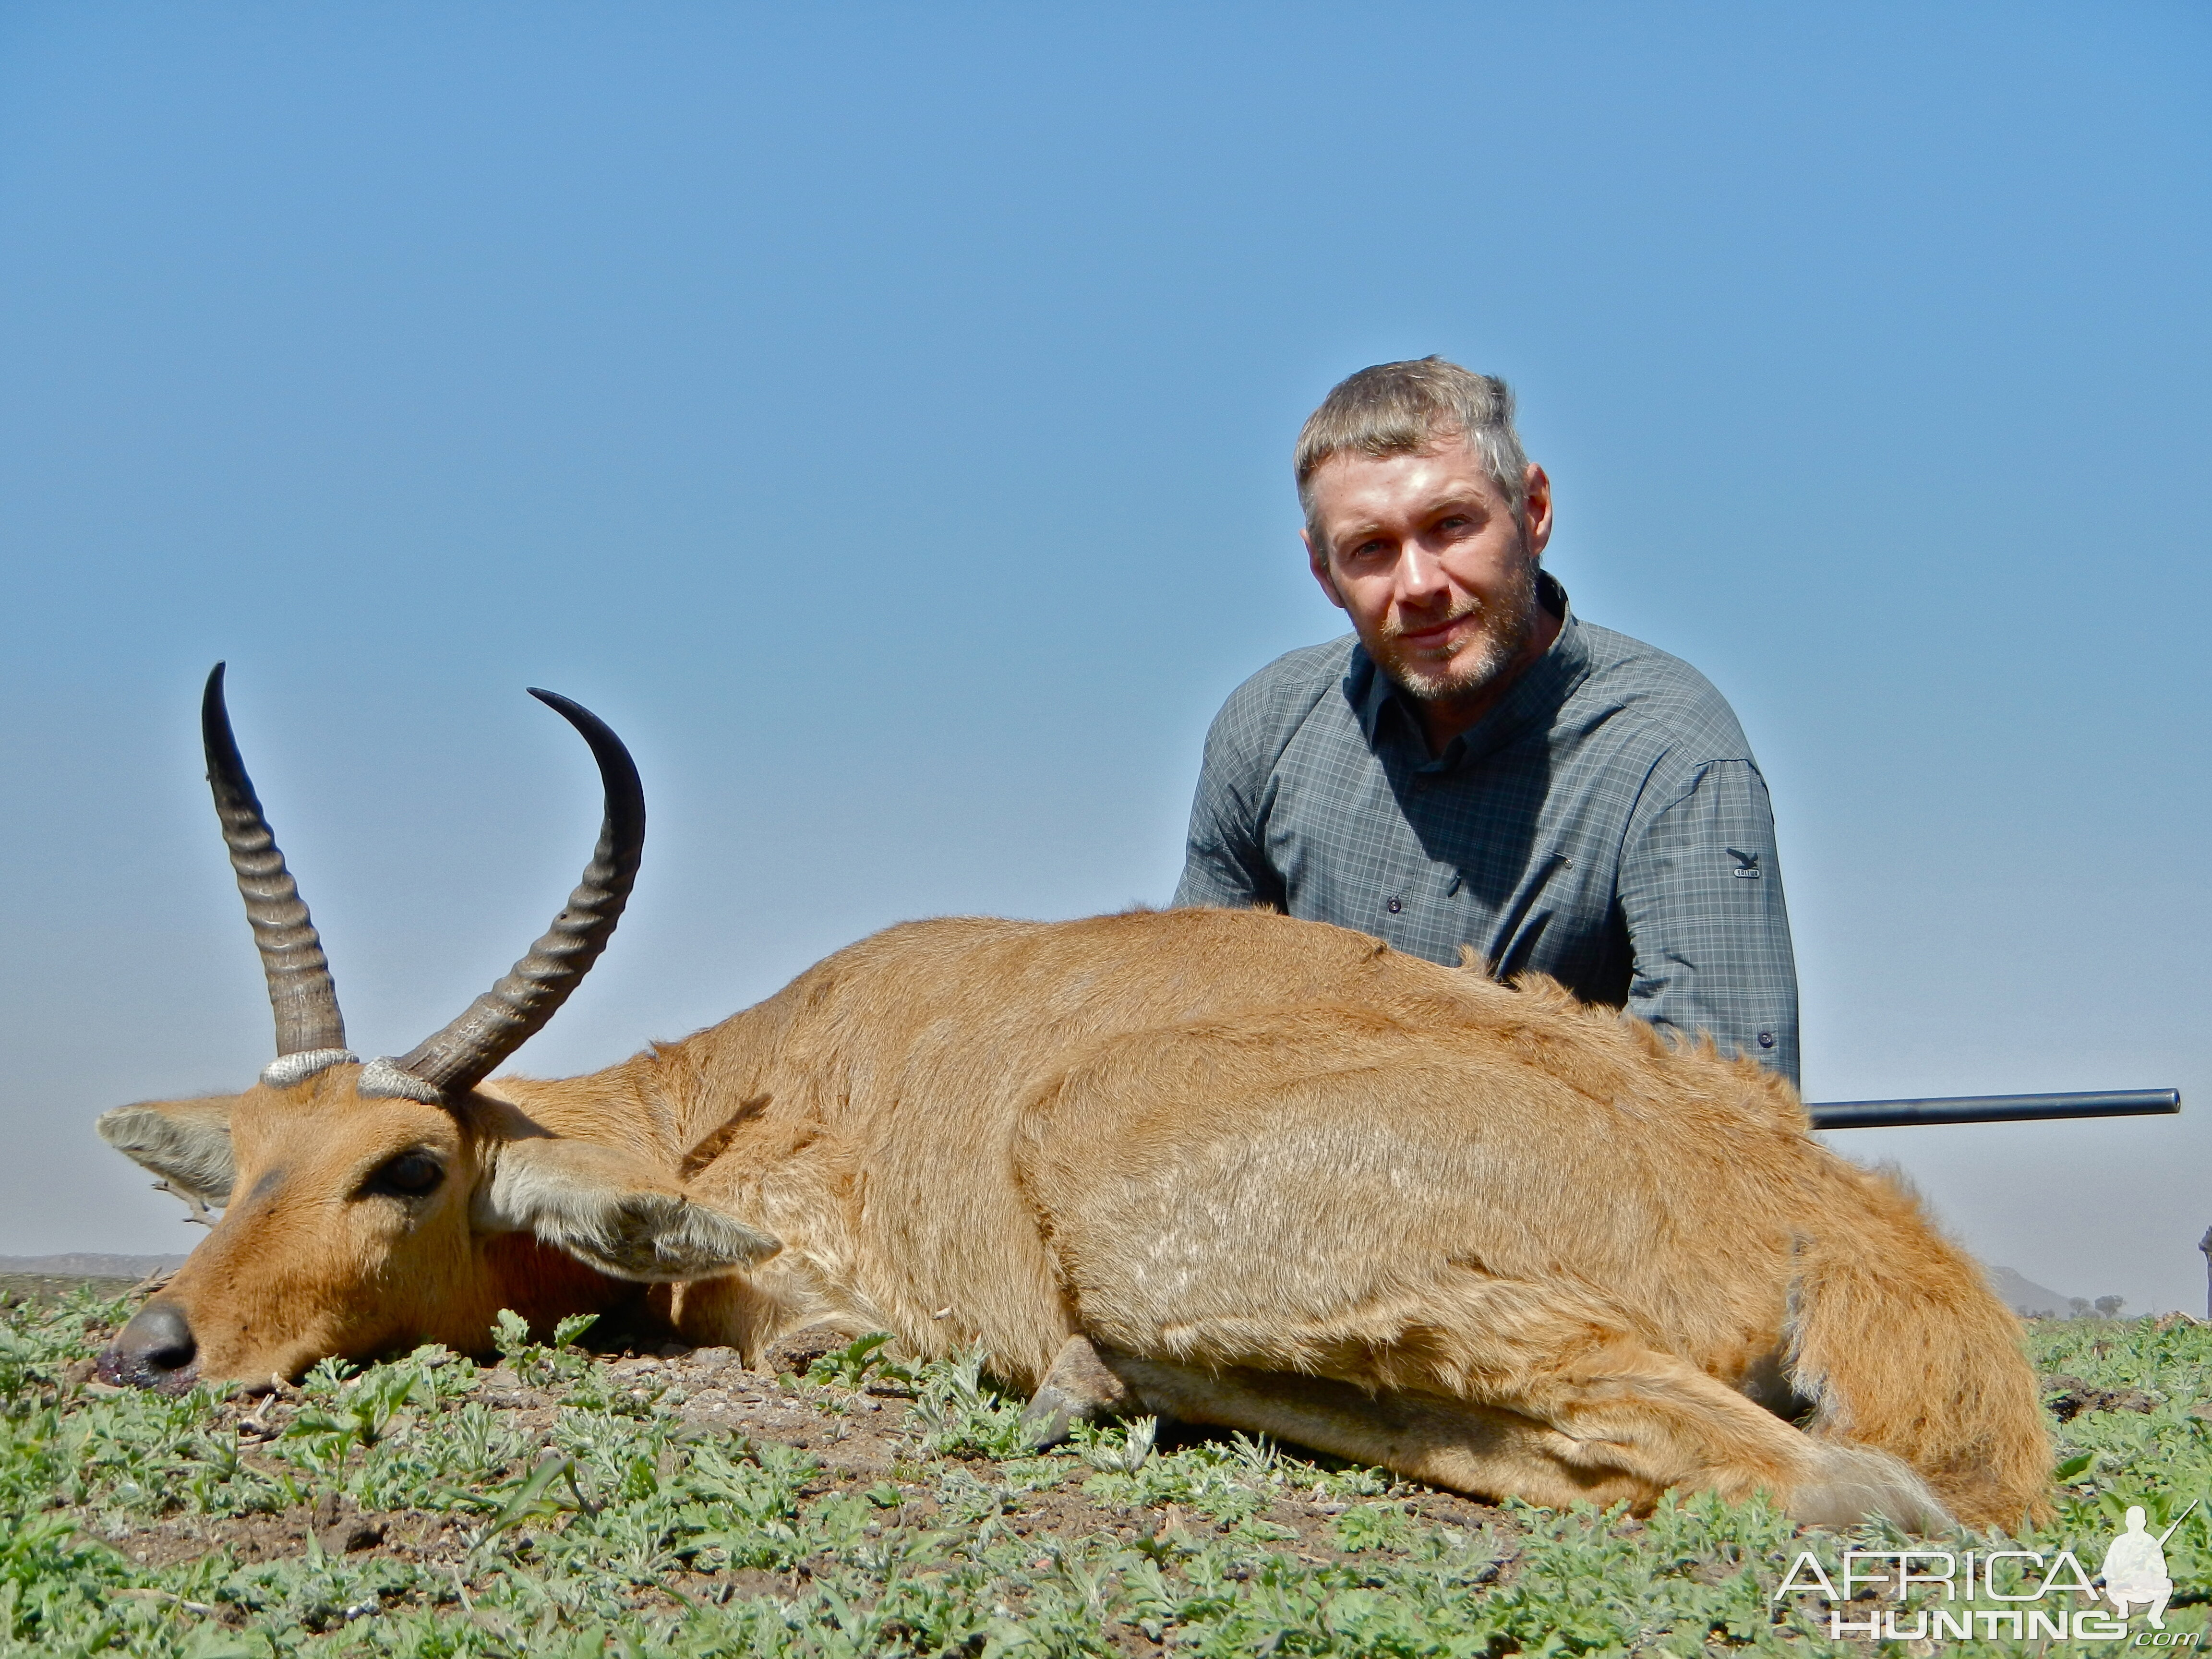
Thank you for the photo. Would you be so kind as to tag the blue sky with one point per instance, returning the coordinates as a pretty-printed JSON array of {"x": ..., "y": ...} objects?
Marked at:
[{"x": 882, "y": 415}]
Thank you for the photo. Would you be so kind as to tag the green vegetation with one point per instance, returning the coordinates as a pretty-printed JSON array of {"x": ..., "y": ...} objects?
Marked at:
[{"x": 564, "y": 1503}]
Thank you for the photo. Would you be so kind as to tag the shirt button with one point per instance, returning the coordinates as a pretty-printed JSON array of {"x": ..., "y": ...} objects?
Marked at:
[
  {"x": 1766, "y": 1039},
  {"x": 1396, "y": 905}
]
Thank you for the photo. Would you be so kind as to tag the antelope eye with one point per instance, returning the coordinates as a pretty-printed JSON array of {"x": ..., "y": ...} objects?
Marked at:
[{"x": 410, "y": 1174}]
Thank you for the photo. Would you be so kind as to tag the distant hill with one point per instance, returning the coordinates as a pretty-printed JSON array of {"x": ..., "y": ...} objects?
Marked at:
[
  {"x": 2024, "y": 1294},
  {"x": 2021, "y": 1294},
  {"x": 89, "y": 1264}
]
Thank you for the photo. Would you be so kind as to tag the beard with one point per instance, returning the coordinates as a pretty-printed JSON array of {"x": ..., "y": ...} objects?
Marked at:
[{"x": 1431, "y": 674}]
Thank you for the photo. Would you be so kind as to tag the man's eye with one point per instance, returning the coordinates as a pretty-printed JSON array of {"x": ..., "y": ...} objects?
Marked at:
[{"x": 410, "y": 1174}]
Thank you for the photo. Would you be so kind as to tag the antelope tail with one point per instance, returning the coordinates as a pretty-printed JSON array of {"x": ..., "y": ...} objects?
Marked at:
[{"x": 1901, "y": 1345}]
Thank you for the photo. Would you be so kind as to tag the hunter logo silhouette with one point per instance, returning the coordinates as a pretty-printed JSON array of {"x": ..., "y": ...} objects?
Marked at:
[{"x": 2134, "y": 1568}]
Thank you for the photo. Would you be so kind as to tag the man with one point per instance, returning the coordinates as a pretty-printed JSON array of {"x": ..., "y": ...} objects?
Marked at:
[
  {"x": 2134, "y": 1569},
  {"x": 1476, "y": 766}
]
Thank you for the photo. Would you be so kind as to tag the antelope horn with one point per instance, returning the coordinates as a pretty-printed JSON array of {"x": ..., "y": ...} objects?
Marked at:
[
  {"x": 504, "y": 1017},
  {"x": 300, "y": 989}
]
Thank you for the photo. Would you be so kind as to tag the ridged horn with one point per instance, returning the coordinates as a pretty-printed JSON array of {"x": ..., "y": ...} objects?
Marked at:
[
  {"x": 301, "y": 990},
  {"x": 504, "y": 1017}
]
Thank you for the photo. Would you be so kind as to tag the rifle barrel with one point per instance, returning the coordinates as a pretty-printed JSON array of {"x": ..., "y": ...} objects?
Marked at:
[{"x": 1994, "y": 1108}]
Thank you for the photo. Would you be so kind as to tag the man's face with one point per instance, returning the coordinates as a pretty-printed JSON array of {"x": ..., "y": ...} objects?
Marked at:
[{"x": 1422, "y": 553}]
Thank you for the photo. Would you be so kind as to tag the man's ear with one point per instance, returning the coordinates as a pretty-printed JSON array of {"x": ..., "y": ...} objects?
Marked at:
[
  {"x": 612, "y": 1211},
  {"x": 185, "y": 1142},
  {"x": 1536, "y": 512},
  {"x": 1318, "y": 564}
]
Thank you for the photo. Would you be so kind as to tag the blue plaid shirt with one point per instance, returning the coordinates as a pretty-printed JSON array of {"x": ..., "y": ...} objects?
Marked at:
[{"x": 1605, "y": 823}]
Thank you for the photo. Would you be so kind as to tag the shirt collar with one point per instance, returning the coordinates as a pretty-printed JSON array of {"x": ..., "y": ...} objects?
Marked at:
[{"x": 1537, "y": 695}]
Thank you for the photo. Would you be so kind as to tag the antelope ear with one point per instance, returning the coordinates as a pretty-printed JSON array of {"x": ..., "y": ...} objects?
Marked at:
[
  {"x": 612, "y": 1211},
  {"x": 185, "y": 1142}
]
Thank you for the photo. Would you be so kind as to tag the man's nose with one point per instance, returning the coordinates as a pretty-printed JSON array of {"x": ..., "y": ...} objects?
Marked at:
[{"x": 1420, "y": 578}]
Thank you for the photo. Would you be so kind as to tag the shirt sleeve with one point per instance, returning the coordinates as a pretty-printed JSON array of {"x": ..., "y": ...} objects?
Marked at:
[
  {"x": 1224, "y": 856},
  {"x": 1701, "y": 893}
]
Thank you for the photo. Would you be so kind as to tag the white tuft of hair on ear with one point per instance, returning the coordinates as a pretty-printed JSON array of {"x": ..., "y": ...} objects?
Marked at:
[
  {"x": 382, "y": 1080},
  {"x": 286, "y": 1070},
  {"x": 613, "y": 1213},
  {"x": 186, "y": 1143}
]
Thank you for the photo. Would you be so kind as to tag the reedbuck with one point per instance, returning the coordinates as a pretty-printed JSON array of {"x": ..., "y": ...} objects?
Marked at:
[{"x": 1231, "y": 1167}]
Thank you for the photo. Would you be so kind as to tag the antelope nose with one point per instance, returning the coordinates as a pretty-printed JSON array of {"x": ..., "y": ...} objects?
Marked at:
[{"x": 156, "y": 1350}]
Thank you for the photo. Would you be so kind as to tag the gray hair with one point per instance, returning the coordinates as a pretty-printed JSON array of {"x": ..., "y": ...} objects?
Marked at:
[{"x": 1408, "y": 408}]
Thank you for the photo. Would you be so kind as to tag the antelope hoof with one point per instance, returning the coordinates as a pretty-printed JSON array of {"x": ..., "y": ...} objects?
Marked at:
[
  {"x": 1078, "y": 1388},
  {"x": 1051, "y": 1417}
]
